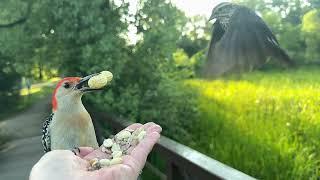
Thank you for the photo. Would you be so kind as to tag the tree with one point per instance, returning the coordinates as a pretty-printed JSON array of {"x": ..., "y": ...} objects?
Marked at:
[
  {"x": 9, "y": 8},
  {"x": 80, "y": 37},
  {"x": 196, "y": 35},
  {"x": 311, "y": 32},
  {"x": 9, "y": 79},
  {"x": 65, "y": 35}
]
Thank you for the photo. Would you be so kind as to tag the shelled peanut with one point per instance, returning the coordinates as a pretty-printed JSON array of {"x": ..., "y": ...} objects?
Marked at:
[{"x": 100, "y": 80}]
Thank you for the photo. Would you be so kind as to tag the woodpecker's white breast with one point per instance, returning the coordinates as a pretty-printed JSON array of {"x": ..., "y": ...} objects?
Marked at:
[{"x": 72, "y": 127}]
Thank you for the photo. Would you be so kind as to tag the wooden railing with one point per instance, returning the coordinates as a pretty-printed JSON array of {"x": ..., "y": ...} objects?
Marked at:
[{"x": 181, "y": 162}]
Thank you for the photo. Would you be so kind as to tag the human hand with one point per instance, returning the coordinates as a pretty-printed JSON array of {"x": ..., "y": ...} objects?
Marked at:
[{"x": 63, "y": 164}]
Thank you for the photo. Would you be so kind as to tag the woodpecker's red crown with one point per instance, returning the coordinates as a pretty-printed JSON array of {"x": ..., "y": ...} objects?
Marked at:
[
  {"x": 65, "y": 83},
  {"x": 72, "y": 87}
]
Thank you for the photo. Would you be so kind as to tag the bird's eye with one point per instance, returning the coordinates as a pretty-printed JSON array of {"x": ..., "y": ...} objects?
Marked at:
[{"x": 66, "y": 85}]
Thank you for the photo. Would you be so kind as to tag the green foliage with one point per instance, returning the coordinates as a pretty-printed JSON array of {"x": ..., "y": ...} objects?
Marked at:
[
  {"x": 8, "y": 75},
  {"x": 181, "y": 58},
  {"x": 9, "y": 12},
  {"x": 85, "y": 36},
  {"x": 296, "y": 46},
  {"x": 149, "y": 87},
  {"x": 252, "y": 4},
  {"x": 183, "y": 64},
  {"x": 173, "y": 107},
  {"x": 315, "y": 3},
  {"x": 311, "y": 31},
  {"x": 273, "y": 20},
  {"x": 190, "y": 46},
  {"x": 266, "y": 124},
  {"x": 9, "y": 79},
  {"x": 199, "y": 58},
  {"x": 65, "y": 34},
  {"x": 196, "y": 35}
]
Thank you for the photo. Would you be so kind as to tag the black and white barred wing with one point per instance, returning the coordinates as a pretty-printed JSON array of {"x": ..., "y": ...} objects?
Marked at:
[{"x": 46, "y": 141}]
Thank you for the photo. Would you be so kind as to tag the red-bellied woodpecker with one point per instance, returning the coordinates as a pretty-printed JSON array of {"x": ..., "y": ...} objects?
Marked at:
[{"x": 70, "y": 124}]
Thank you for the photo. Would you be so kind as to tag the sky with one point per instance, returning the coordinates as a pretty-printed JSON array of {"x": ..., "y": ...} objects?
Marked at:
[
  {"x": 190, "y": 7},
  {"x": 197, "y": 7}
]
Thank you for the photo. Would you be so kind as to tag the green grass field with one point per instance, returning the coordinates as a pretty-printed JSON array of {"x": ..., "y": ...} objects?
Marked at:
[{"x": 266, "y": 124}]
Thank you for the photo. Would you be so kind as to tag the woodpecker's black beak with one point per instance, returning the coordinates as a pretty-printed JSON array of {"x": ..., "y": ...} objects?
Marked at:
[
  {"x": 83, "y": 84},
  {"x": 213, "y": 16}
]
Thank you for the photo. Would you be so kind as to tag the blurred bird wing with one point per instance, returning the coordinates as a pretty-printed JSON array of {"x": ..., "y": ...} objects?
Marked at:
[
  {"x": 216, "y": 35},
  {"x": 214, "y": 55},
  {"x": 246, "y": 44},
  {"x": 46, "y": 141}
]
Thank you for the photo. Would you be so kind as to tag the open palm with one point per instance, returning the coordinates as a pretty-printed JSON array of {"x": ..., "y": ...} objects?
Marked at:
[{"x": 63, "y": 164}]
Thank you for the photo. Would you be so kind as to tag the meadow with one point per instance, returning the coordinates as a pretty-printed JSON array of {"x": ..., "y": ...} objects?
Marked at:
[{"x": 266, "y": 124}]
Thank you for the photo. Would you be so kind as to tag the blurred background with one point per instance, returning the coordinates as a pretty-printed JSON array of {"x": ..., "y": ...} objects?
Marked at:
[{"x": 264, "y": 123}]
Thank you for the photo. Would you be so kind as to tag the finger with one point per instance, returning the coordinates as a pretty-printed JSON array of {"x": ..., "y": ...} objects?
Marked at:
[
  {"x": 83, "y": 151},
  {"x": 134, "y": 126},
  {"x": 149, "y": 128},
  {"x": 149, "y": 124},
  {"x": 140, "y": 153},
  {"x": 154, "y": 128}
]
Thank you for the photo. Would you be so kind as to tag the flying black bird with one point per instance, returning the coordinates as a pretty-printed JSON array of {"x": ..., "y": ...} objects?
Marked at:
[{"x": 240, "y": 41}]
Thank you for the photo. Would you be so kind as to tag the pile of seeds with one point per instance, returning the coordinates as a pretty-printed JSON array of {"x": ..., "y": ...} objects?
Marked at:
[{"x": 117, "y": 146}]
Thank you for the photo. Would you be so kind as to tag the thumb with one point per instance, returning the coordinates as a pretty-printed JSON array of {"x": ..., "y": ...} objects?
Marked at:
[{"x": 85, "y": 151}]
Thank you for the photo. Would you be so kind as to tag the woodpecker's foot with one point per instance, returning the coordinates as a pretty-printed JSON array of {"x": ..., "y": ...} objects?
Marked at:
[{"x": 76, "y": 151}]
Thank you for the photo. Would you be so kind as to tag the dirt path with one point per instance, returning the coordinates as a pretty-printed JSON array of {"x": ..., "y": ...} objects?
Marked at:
[{"x": 25, "y": 149}]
